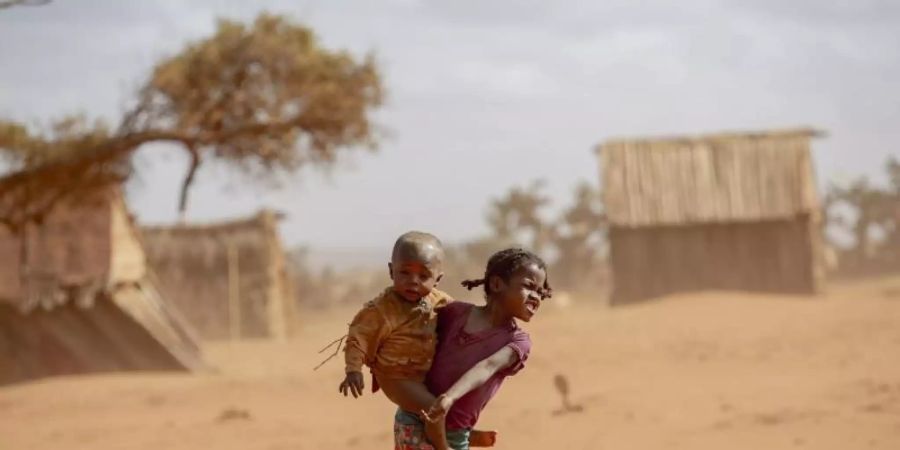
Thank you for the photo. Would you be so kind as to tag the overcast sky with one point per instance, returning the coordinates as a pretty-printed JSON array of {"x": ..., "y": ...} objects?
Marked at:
[{"x": 485, "y": 95}]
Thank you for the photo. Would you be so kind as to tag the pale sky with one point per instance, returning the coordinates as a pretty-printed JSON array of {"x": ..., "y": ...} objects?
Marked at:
[{"x": 485, "y": 95}]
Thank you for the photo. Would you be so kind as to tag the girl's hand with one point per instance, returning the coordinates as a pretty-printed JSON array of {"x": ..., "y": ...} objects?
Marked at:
[{"x": 438, "y": 409}]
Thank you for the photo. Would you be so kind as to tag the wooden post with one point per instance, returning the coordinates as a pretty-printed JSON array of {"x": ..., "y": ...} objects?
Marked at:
[
  {"x": 234, "y": 296},
  {"x": 276, "y": 313}
]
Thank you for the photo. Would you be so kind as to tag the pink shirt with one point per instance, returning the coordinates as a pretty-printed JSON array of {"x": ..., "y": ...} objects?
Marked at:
[{"x": 458, "y": 351}]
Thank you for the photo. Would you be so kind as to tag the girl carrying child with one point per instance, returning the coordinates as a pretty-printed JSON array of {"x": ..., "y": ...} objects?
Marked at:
[
  {"x": 478, "y": 347},
  {"x": 474, "y": 350}
]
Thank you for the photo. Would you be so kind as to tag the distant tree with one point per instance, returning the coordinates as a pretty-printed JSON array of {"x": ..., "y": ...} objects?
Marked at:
[
  {"x": 874, "y": 210},
  {"x": 265, "y": 98},
  {"x": 893, "y": 172},
  {"x": 580, "y": 240},
  {"x": 892, "y": 211},
  {"x": 516, "y": 217},
  {"x": 573, "y": 242}
]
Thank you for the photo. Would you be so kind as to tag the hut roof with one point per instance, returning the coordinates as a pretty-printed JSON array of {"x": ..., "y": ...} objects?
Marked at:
[
  {"x": 722, "y": 177},
  {"x": 258, "y": 221}
]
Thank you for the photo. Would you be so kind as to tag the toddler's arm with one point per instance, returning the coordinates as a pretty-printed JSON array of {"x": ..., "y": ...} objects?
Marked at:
[{"x": 367, "y": 330}]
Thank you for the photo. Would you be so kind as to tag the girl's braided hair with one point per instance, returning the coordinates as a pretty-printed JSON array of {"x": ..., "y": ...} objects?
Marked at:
[{"x": 503, "y": 263}]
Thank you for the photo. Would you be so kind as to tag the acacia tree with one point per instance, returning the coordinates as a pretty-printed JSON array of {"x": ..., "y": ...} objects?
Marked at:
[{"x": 265, "y": 98}]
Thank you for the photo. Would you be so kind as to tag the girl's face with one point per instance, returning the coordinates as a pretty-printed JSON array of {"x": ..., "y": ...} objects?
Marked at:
[{"x": 520, "y": 296}]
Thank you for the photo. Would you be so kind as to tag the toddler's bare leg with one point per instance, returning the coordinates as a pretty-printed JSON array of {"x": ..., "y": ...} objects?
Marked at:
[{"x": 414, "y": 397}]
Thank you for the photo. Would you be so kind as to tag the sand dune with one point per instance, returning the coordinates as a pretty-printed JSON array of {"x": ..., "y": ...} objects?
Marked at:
[{"x": 707, "y": 371}]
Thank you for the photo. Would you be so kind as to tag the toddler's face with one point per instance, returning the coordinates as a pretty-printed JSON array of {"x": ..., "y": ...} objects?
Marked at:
[{"x": 414, "y": 278}]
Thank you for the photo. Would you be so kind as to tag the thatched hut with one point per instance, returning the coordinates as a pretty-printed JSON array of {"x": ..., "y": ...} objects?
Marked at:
[
  {"x": 735, "y": 211},
  {"x": 229, "y": 278},
  {"x": 75, "y": 297}
]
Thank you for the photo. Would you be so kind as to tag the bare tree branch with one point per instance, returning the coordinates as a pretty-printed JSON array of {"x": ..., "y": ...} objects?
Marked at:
[
  {"x": 10, "y": 3},
  {"x": 188, "y": 180}
]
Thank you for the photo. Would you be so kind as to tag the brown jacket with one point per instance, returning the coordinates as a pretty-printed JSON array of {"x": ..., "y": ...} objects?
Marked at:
[{"x": 396, "y": 338}]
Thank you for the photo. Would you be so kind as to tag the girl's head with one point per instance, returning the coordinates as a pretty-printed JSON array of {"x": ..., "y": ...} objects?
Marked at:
[{"x": 515, "y": 280}]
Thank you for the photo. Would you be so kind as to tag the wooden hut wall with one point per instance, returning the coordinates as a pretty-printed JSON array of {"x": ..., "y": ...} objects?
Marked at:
[
  {"x": 768, "y": 256},
  {"x": 70, "y": 248},
  {"x": 193, "y": 267},
  {"x": 282, "y": 311},
  {"x": 719, "y": 211}
]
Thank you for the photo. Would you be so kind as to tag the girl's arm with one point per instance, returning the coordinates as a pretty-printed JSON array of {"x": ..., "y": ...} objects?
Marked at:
[{"x": 473, "y": 378}]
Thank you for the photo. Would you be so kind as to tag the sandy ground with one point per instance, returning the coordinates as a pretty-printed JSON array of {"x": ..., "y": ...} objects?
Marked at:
[{"x": 707, "y": 371}]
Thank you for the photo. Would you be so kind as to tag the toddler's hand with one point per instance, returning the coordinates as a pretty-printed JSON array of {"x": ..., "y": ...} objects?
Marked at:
[{"x": 354, "y": 383}]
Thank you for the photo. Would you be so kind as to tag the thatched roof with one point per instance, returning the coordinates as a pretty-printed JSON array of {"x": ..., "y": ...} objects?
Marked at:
[
  {"x": 259, "y": 221},
  {"x": 724, "y": 177}
]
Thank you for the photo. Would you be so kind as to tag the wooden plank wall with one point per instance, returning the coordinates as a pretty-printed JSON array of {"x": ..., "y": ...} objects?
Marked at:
[
  {"x": 770, "y": 256},
  {"x": 70, "y": 248},
  {"x": 191, "y": 264}
]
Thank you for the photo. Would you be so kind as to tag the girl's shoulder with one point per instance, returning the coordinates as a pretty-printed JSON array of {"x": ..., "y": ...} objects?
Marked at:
[
  {"x": 521, "y": 337},
  {"x": 451, "y": 313},
  {"x": 456, "y": 307}
]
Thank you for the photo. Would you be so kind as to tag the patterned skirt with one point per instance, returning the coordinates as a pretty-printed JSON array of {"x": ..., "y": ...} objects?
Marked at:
[{"x": 409, "y": 434}]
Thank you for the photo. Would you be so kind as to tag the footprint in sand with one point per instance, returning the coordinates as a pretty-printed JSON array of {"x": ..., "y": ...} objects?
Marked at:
[{"x": 232, "y": 414}]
